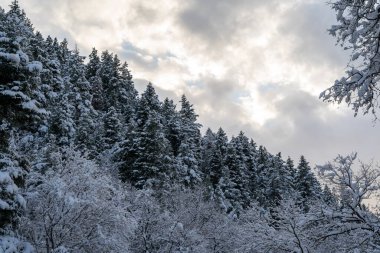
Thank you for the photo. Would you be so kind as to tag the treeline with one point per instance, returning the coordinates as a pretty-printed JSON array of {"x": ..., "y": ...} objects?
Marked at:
[{"x": 88, "y": 165}]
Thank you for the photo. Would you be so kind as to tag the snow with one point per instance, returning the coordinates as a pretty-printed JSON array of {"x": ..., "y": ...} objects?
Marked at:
[
  {"x": 12, "y": 93},
  {"x": 23, "y": 56},
  {"x": 4, "y": 205},
  {"x": 35, "y": 66},
  {"x": 4, "y": 177},
  {"x": 14, "y": 58},
  {"x": 31, "y": 105},
  {"x": 43, "y": 129},
  {"x": 4, "y": 39},
  {"x": 10, "y": 244}
]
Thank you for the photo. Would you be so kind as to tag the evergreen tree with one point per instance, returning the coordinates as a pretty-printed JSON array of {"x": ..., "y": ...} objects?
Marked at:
[
  {"x": 208, "y": 147},
  {"x": 20, "y": 83},
  {"x": 306, "y": 184},
  {"x": 214, "y": 169},
  {"x": 235, "y": 191},
  {"x": 63, "y": 56},
  {"x": 291, "y": 172},
  {"x": 21, "y": 107},
  {"x": 278, "y": 179},
  {"x": 97, "y": 91},
  {"x": 61, "y": 121},
  {"x": 261, "y": 183},
  {"x": 146, "y": 154},
  {"x": 124, "y": 98},
  {"x": 146, "y": 158},
  {"x": 246, "y": 158},
  {"x": 221, "y": 141},
  {"x": 12, "y": 176},
  {"x": 328, "y": 197},
  {"x": 93, "y": 64},
  {"x": 107, "y": 69},
  {"x": 189, "y": 150},
  {"x": 172, "y": 124},
  {"x": 112, "y": 128},
  {"x": 85, "y": 115}
]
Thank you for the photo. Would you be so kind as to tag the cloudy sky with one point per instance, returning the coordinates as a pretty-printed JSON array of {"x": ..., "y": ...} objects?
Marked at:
[{"x": 250, "y": 65}]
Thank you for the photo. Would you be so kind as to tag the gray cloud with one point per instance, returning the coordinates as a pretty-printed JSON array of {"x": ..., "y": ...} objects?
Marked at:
[
  {"x": 138, "y": 56},
  {"x": 304, "y": 126},
  {"x": 218, "y": 21},
  {"x": 305, "y": 26},
  {"x": 140, "y": 85}
]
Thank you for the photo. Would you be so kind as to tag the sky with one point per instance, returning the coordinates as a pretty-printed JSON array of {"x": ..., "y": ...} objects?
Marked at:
[{"x": 251, "y": 65}]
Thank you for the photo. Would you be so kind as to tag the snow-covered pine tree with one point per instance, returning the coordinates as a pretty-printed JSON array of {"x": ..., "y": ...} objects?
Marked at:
[
  {"x": 93, "y": 77},
  {"x": 22, "y": 109},
  {"x": 93, "y": 64},
  {"x": 291, "y": 172},
  {"x": 146, "y": 154},
  {"x": 221, "y": 141},
  {"x": 61, "y": 122},
  {"x": 85, "y": 114},
  {"x": 126, "y": 94},
  {"x": 107, "y": 69},
  {"x": 207, "y": 150},
  {"x": 112, "y": 128},
  {"x": 328, "y": 197},
  {"x": 172, "y": 125},
  {"x": 263, "y": 165},
  {"x": 242, "y": 148},
  {"x": 235, "y": 191},
  {"x": 189, "y": 149},
  {"x": 306, "y": 184}
]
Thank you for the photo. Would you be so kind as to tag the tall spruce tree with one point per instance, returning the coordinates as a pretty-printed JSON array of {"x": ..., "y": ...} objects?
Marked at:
[
  {"x": 172, "y": 125},
  {"x": 189, "y": 149},
  {"x": 22, "y": 103},
  {"x": 306, "y": 184},
  {"x": 93, "y": 64},
  {"x": 112, "y": 128},
  {"x": 207, "y": 150},
  {"x": 146, "y": 154},
  {"x": 235, "y": 191}
]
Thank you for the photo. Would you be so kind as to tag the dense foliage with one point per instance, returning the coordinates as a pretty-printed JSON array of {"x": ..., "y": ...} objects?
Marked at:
[{"x": 88, "y": 165}]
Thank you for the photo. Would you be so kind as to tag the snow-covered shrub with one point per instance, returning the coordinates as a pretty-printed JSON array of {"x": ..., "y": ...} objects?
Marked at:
[{"x": 76, "y": 206}]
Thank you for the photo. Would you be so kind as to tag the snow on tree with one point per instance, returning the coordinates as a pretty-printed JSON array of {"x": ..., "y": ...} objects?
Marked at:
[
  {"x": 9, "y": 244},
  {"x": 112, "y": 128},
  {"x": 62, "y": 124},
  {"x": 189, "y": 149},
  {"x": 172, "y": 125},
  {"x": 75, "y": 205},
  {"x": 357, "y": 30},
  {"x": 146, "y": 159},
  {"x": 81, "y": 99},
  {"x": 207, "y": 150},
  {"x": 189, "y": 224},
  {"x": 328, "y": 197},
  {"x": 351, "y": 222},
  {"x": 261, "y": 180},
  {"x": 20, "y": 88},
  {"x": 11, "y": 200},
  {"x": 21, "y": 108},
  {"x": 306, "y": 184},
  {"x": 291, "y": 172},
  {"x": 236, "y": 191},
  {"x": 80, "y": 127},
  {"x": 93, "y": 64}
]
